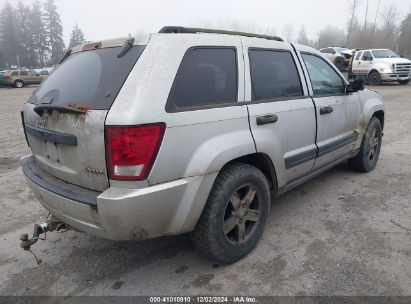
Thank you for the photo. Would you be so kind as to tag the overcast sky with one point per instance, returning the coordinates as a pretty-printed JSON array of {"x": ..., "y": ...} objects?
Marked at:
[{"x": 100, "y": 19}]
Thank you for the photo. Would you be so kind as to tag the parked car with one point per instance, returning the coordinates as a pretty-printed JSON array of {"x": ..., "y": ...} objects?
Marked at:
[
  {"x": 44, "y": 71},
  {"x": 20, "y": 78},
  {"x": 380, "y": 65},
  {"x": 2, "y": 83},
  {"x": 183, "y": 131},
  {"x": 338, "y": 55}
]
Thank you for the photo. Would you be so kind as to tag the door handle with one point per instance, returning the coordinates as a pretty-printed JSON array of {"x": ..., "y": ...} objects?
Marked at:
[
  {"x": 326, "y": 110},
  {"x": 267, "y": 119}
]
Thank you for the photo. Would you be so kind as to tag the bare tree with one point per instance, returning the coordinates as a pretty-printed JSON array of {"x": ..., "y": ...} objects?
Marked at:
[
  {"x": 375, "y": 19},
  {"x": 353, "y": 8},
  {"x": 405, "y": 36},
  {"x": 390, "y": 27},
  {"x": 366, "y": 17},
  {"x": 330, "y": 36}
]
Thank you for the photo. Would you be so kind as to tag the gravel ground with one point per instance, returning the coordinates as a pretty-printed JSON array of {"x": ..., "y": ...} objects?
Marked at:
[{"x": 342, "y": 233}]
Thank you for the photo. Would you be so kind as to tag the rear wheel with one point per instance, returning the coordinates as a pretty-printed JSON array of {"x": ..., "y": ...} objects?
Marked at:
[
  {"x": 404, "y": 82},
  {"x": 367, "y": 158},
  {"x": 18, "y": 84},
  {"x": 235, "y": 215},
  {"x": 374, "y": 78}
]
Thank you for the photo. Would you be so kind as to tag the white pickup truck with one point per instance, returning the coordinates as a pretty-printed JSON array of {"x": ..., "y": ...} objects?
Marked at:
[{"x": 380, "y": 65}]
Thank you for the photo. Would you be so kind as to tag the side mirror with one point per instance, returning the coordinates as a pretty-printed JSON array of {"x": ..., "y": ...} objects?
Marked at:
[{"x": 357, "y": 85}]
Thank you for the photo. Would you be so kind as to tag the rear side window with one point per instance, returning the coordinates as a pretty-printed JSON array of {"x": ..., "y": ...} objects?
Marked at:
[
  {"x": 358, "y": 56},
  {"x": 206, "y": 77},
  {"x": 24, "y": 73},
  {"x": 15, "y": 73},
  {"x": 274, "y": 75},
  {"x": 91, "y": 78}
]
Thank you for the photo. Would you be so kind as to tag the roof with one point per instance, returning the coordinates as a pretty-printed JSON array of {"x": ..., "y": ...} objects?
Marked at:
[{"x": 188, "y": 30}]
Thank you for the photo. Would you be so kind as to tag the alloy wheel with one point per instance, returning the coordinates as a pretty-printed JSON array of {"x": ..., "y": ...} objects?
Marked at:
[
  {"x": 373, "y": 145},
  {"x": 241, "y": 215}
]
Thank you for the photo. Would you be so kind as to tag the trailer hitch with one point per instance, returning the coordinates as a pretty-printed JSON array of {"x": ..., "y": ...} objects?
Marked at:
[{"x": 52, "y": 224}]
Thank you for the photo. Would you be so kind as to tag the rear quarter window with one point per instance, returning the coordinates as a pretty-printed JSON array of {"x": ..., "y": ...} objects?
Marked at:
[
  {"x": 206, "y": 77},
  {"x": 15, "y": 73}
]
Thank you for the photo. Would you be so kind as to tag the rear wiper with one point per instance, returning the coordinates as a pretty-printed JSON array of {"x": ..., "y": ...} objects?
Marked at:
[
  {"x": 126, "y": 47},
  {"x": 40, "y": 109},
  {"x": 68, "y": 53}
]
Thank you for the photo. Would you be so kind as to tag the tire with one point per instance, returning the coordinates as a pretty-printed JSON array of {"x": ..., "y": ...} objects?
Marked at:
[
  {"x": 18, "y": 84},
  {"x": 339, "y": 62},
  {"x": 374, "y": 78},
  {"x": 230, "y": 190},
  {"x": 367, "y": 158},
  {"x": 404, "y": 82}
]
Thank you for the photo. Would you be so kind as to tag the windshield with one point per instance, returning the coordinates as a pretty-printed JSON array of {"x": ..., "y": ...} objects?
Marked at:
[
  {"x": 91, "y": 79},
  {"x": 385, "y": 54}
]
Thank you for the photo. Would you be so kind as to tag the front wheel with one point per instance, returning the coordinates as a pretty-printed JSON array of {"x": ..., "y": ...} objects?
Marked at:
[
  {"x": 404, "y": 82},
  {"x": 374, "y": 78},
  {"x": 235, "y": 215},
  {"x": 18, "y": 84},
  {"x": 367, "y": 158}
]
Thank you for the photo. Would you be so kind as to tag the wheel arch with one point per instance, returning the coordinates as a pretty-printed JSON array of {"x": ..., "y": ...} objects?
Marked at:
[
  {"x": 373, "y": 70},
  {"x": 380, "y": 115},
  {"x": 262, "y": 162}
]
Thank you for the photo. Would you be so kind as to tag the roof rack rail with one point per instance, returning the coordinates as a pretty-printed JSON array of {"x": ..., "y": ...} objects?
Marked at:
[{"x": 190, "y": 30}]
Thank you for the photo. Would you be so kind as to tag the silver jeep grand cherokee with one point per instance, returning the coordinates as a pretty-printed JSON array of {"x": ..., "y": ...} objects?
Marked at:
[{"x": 191, "y": 130}]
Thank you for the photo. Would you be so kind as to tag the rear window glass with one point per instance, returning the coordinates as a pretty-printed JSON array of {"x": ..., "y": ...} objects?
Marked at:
[
  {"x": 91, "y": 78},
  {"x": 207, "y": 76},
  {"x": 274, "y": 75}
]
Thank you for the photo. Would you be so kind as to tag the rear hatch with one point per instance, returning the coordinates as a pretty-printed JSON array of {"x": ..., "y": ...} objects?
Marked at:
[{"x": 64, "y": 119}]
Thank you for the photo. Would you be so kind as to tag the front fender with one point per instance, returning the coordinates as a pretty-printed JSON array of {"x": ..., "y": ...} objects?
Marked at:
[
  {"x": 371, "y": 102},
  {"x": 378, "y": 66}
]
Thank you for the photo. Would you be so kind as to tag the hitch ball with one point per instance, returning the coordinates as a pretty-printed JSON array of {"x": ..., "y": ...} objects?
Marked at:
[{"x": 25, "y": 244}]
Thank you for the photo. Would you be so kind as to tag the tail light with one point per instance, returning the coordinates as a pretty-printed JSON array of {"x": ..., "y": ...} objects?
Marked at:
[
  {"x": 131, "y": 150},
  {"x": 7, "y": 78}
]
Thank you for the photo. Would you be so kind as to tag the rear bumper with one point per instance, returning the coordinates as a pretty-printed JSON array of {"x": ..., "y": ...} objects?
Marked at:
[
  {"x": 119, "y": 213},
  {"x": 395, "y": 77}
]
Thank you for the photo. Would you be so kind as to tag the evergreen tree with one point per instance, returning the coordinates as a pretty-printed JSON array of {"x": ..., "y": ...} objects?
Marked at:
[
  {"x": 25, "y": 48},
  {"x": 405, "y": 36},
  {"x": 76, "y": 37},
  {"x": 38, "y": 31},
  {"x": 54, "y": 31},
  {"x": 302, "y": 37},
  {"x": 8, "y": 35}
]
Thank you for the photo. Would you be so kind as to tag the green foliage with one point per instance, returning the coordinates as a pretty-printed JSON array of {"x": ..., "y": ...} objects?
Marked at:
[
  {"x": 33, "y": 33},
  {"x": 54, "y": 31},
  {"x": 76, "y": 37}
]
